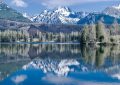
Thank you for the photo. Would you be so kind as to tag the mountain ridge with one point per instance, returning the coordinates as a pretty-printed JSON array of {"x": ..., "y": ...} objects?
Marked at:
[
  {"x": 62, "y": 15},
  {"x": 113, "y": 11},
  {"x": 8, "y": 13}
]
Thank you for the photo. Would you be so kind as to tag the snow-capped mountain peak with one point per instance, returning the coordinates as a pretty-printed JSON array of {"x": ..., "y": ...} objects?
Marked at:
[
  {"x": 60, "y": 15},
  {"x": 113, "y": 11},
  {"x": 46, "y": 11},
  {"x": 63, "y": 10},
  {"x": 117, "y": 7}
]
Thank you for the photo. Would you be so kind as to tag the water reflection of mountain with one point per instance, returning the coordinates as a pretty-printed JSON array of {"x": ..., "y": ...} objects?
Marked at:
[{"x": 61, "y": 59}]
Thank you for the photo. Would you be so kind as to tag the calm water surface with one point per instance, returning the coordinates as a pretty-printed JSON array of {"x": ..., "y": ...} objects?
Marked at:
[{"x": 59, "y": 64}]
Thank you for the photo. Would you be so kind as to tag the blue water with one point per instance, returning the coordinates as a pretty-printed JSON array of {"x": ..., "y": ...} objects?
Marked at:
[{"x": 59, "y": 64}]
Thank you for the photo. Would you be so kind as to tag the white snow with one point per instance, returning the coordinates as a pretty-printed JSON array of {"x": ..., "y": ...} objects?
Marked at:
[
  {"x": 25, "y": 15},
  {"x": 63, "y": 11},
  {"x": 117, "y": 7},
  {"x": 67, "y": 20},
  {"x": 59, "y": 15}
]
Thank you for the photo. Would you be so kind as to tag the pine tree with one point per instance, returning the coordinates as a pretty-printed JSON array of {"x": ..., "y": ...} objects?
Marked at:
[
  {"x": 84, "y": 35},
  {"x": 101, "y": 32},
  {"x": 92, "y": 33}
]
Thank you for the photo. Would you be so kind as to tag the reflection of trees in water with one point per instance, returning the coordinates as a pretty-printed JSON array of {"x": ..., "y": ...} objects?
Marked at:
[
  {"x": 12, "y": 55},
  {"x": 25, "y": 51},
  {"x": 99, "y": 56},
  {"x": 95, "y": 56},
  {"x": 55, "y": 51},
  {"x": 115, "y": 54},
  {"x": 88, "y": 53},
  {"x": 14, "y": 49}
]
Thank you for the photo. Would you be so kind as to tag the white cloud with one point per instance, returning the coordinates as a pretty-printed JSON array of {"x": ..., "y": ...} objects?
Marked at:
[
  {"x": 19, "y": 78},
  {"x": 55, "y": 3},
  {"x": 19, "y": 3},
  {"x": 61, "y": 80}
]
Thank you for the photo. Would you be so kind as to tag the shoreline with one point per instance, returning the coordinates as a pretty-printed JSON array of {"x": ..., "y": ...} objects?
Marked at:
[
  {"x": 95, "y": 44},
  {"x": 38, "y": 43}
]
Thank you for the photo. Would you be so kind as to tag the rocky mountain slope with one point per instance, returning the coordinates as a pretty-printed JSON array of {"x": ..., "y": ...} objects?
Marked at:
[
  {"x": 113, "y": 11},
  {"x": 8, "y": 13},
  {"x": 10, "y": 18},
  {"x": 95, "y": 17}
]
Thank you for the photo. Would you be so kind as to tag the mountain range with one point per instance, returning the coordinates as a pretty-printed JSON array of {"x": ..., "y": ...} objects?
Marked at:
[
  {"x": 64, "y": 15},
  {"x": 10, "y": 18},
  {"x": 61, "y": 15},
  {"x": 113, "y": 11}
]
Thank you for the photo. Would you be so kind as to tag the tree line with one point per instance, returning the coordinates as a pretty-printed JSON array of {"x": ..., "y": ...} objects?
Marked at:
[
  {"x": 38, "y": 36},
  {"x": 101, "y": 33},
  {"x": 93, "y": 33}
]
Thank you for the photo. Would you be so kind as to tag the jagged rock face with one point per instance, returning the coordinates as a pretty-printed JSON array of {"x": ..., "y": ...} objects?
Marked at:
[
  {"x": 8, "y": 13},
  {"x": 95, "y": 17},
  {"x": 113, "y": 11},
  {"x": 61, "y": 15}
]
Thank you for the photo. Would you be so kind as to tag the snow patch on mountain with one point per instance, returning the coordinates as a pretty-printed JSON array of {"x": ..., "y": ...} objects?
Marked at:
[
  {"x": 25, "y": 15},
  {"x": 113, "y": 11},
  {"x": 117, "y": 7},
  {"x": 63, "y": 11},
  {"x": 66, "y": 20}
]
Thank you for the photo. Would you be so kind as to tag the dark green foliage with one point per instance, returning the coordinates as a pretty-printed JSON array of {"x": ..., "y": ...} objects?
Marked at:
[{"x": 101, "y": 38}]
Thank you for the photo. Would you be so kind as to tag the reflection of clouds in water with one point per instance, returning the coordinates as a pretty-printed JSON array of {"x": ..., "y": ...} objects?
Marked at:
[
  {"x": 113, "y": 71},
  {"x": 116, "y": 76},
  {"x": 60, "y": 80},
  {"x": 19, "y": 79}
]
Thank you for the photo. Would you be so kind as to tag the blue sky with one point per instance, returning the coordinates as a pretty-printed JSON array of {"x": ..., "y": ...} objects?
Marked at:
[{"x": 36, "y": 6}]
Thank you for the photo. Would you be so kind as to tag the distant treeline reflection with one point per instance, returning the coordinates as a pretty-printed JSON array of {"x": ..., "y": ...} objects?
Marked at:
[{"x": 95, "y": 56}]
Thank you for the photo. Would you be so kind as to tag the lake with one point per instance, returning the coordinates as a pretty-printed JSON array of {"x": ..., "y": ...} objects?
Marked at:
[{"x": 59, "y": 64}]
